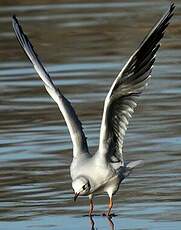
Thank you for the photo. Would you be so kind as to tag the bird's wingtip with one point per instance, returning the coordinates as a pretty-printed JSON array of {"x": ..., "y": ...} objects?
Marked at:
[
  {"x": 172, "y": 5},
  {"x": 14, "y": 18}
]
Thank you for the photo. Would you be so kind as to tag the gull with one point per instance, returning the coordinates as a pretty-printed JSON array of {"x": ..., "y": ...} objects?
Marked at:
[{"x": 105, "y": 170}]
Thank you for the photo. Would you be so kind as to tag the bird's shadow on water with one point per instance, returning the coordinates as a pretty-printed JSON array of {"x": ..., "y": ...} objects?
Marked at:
[{"x": 111, "y": 225}]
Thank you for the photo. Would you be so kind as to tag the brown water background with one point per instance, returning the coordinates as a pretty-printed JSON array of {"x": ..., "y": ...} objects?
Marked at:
[{"x": 84, "y": 44}]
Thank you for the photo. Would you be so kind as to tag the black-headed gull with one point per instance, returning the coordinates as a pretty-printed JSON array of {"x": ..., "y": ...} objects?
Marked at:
[{"x": 104, "y": 171}]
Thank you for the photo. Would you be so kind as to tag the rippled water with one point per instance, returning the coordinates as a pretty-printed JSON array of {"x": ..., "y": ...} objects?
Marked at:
[{"x": 84, "y": 44}]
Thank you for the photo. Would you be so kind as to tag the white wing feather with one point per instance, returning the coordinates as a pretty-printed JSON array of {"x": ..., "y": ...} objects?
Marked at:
[{"x": 72, "y": 121}]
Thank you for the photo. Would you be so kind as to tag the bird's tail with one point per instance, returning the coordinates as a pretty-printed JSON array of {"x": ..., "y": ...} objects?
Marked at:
[{"x": 130, "y": 166}]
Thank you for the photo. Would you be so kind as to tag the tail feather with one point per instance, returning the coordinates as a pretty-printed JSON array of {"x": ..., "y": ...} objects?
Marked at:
[
  {"x": 133, "y": 164},
  {"x": 129, "y": 167}
]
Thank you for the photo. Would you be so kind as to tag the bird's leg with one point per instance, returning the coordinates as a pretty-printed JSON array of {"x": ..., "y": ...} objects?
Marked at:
[
  {"x": 91, "y": 205},
  {"x": 108, "y": 214},
  {"x": 110, "y": 206}
]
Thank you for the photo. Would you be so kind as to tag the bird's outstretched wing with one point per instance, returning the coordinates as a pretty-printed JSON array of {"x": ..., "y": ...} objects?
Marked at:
[
  {"x": 72, "y": 121},
  {"x": 120, "y": 101}
]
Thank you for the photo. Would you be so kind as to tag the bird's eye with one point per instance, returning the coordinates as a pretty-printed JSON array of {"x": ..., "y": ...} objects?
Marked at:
[{"x": 84, "y": 187}]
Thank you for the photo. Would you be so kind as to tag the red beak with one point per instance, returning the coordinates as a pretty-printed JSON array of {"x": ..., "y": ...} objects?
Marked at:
[{"x": 76, "y": 195}]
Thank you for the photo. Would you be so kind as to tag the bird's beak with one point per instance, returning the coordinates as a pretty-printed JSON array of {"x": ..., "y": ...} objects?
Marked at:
[{"x": 76, "y": 195}]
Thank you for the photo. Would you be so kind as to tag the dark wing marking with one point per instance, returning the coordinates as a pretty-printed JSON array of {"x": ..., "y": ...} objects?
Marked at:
[{"x": 121, "y": 100}]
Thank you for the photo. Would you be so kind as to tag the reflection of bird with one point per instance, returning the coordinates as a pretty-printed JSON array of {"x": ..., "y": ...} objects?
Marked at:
[
  {"x": 104, "y": 171},
  {"x": 111, "y": 224}
]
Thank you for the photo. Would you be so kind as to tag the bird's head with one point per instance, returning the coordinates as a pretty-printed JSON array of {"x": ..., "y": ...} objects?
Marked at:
[{"x": 81, "y": 186}]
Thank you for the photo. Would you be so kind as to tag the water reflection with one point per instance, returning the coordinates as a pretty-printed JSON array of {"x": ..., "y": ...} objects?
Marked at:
[
  {"x": 84, "y": 45},
  {"x": 93, "y": 224}
]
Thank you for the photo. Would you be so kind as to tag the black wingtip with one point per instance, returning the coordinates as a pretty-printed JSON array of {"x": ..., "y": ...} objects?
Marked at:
[
  {"x": 16, "y": 23},
  {"x": 14, "y": 16},
  {"x": 172, "y": 6},
  {"x": 14, "y": 19}
]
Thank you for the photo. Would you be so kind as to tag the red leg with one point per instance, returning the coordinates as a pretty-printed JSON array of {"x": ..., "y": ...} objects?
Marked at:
[
  {"x": 91, "y": 205},
  {"x": 108, "y": 214},
  {"x": 110, "y": 206}
]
